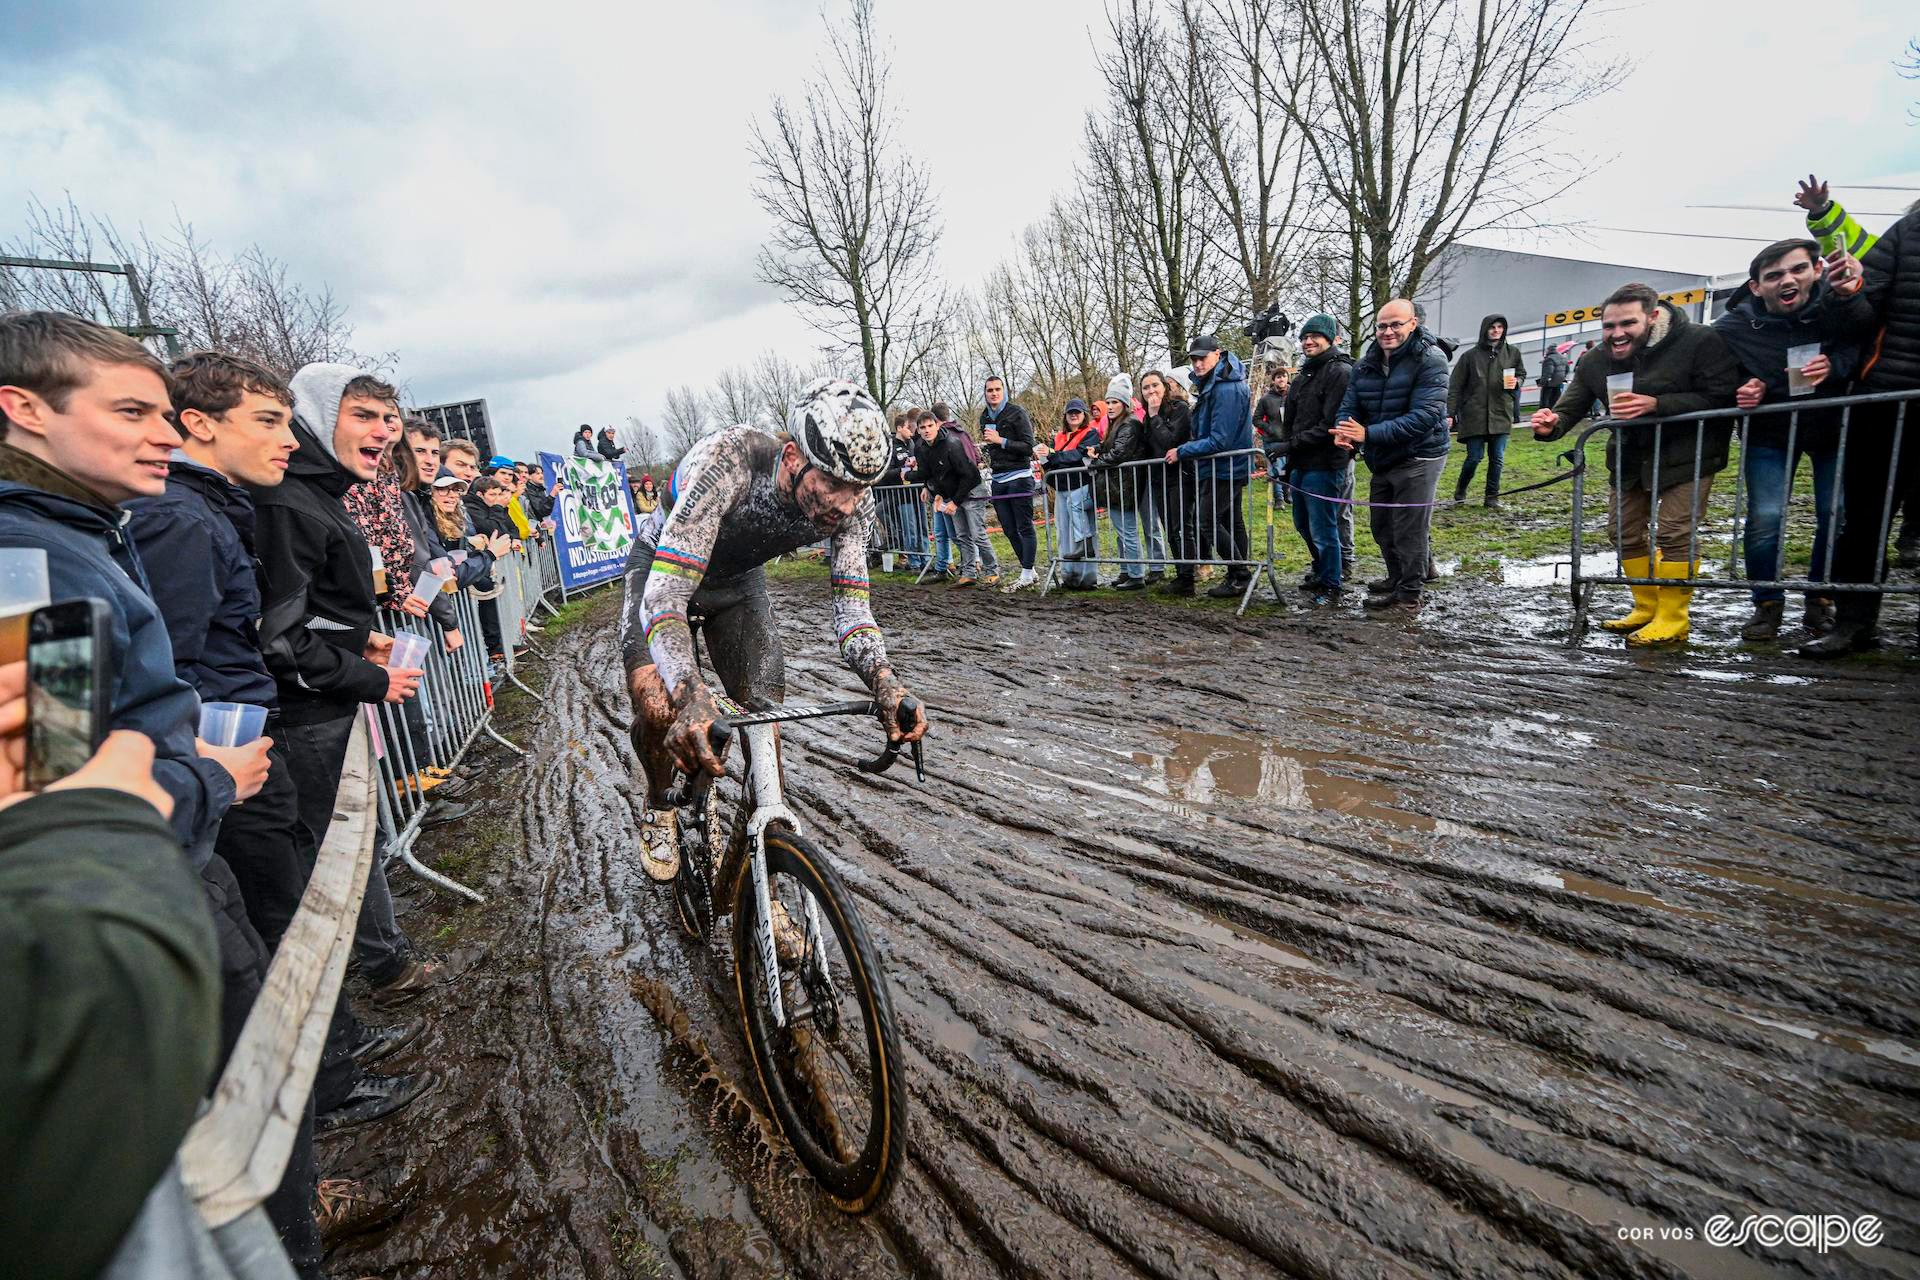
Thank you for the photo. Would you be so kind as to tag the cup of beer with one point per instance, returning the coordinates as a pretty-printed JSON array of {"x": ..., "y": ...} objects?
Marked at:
[
  {"x": 23, "y": 588},
  {"x": 379, "y": 574},
  {"x": 1509, "y": 379},
  {"x": 1798, "y": 358},
  {"x": 1618, "y": 384}
]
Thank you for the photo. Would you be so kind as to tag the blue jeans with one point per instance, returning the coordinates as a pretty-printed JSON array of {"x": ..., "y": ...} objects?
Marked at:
[
  {"x": 1478, "y": 447},
  {"x": 1769, "y": 477},
  {"x": 1078, "y": 537},
  {"x": 911, "y": 532},
  {"x": 1130, "y": 525},
  {"x": 942, "y": 541},
  {"x": 1318, "y": 522}
]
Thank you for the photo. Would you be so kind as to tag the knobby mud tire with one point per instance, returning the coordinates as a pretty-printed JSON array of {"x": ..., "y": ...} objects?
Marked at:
[{"x": 861, "y": 1184}]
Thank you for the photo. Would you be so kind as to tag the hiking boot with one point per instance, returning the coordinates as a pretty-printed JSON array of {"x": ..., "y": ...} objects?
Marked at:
[
  {"x": 1402, "y": 602},
  {"x": 345, "y": 1207},
  {"x": 1380, "y": 599},
  {"x": 1492, "y": 503},
  {"x": 964, "y": 581},
  {"x": 441, "y": 814},
  {"x": 989, "y": 579},
  {"x": 384, "y": 1042},
  {"x": 1327, "y": 598},
  {"x": 660, "y": 844},
  {"x": 373, "y": 1098},
  {"x": 1845, "y": 638},
  {"x": 1765, "y": 622},
  {"x": 1311, "y": 582},
  {"x": 1228, "y": 589},
  {"x": 1130, "y": 584},
  {"x": 1177, "y": 586},
  {"x": 1818, "y": 617},
  {"x": 418, "y": 977},
  {"x": 1380, "y": 584}
]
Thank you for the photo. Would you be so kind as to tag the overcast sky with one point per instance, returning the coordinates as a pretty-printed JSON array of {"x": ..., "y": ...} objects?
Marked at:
[{"x": 547, "y": 204}]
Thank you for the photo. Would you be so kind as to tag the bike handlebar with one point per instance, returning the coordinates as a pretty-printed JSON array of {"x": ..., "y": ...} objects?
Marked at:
[{"x": 685, "y": 791}]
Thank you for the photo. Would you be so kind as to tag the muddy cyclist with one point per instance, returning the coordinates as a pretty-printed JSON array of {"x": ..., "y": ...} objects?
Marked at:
[{"x": 738, "y": 499}]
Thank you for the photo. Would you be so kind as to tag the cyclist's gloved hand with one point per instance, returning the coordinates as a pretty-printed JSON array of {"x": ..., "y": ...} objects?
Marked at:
[
  {"x": 889, "y": 695},
  {"x": 687, "y": 743}
]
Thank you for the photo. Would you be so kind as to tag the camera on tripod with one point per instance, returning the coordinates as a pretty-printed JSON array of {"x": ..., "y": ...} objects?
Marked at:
[{"x": 1267, "y": 327}]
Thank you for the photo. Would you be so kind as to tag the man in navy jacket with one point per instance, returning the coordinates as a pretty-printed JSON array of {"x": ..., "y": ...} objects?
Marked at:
[
  {"x": 1395, "y": 412},
  {"x": 1222, "y": 424}
]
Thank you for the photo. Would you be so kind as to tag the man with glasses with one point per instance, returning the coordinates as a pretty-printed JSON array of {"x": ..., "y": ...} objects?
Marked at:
[{"x": 1395, "y": 413}]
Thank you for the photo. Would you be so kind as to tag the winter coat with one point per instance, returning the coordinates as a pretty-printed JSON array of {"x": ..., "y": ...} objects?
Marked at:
[
  {"x": 109, "y": 1021},
  {"x": 1072, "y": 451},
  {"x": 1119, "y": 485},
  {"x": 1892, "y": 290},
  {"x": 89, "y": 554},
  {"x": 1313, "y": 406},
  {"x": 1016, "y": 453},
  {"x": 1477, "y": 396},
  {"x": 1269, "y": 417},
  {"x": 583, "y": 447},
  {"x": 944, "y": 466},
  {"x": 316, "y": 589},
  {"x": 1686, "y": 368},
  {"x": 609, "y": 450},
  {"x": 1168, "y": 429},
  {"x": 379, "y": 508},
  {"x": 196, "y": 541},
  {"x": 893, "y": 476},
  {"x": 1222, "y": 423},
  {"x": 1759, "y": 341},
  {"x": 1554, "y": 368},
  {"x": 647, "y": 501},
  {"x": 1401, "y": 402}
]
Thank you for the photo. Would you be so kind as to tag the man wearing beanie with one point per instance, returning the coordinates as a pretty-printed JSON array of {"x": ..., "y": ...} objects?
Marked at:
[
  {"x": 1125, "y": 491},
  {"x": 1216, "y": 465},
  {"x": 1318, "y": 468}
]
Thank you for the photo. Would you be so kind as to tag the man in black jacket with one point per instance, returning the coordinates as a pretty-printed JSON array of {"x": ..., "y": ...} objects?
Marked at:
[
  {"x": 1316, "y": 467},
  {"x": 954, "y": 485},
  {"x": 316, "y": 624},
  {"x": 1889, "y": 278},
  {"x": 1008, "y": 434}
]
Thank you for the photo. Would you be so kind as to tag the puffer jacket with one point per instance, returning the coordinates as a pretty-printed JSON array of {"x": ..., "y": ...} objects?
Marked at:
[
  {"x": 1401, "y": 402},
  {"x": 1686, "y": 368},
  {"x": 1313, "y": 406},
  {"x": 1222, "y": 423},
  {"x": 1477, "y": 396},
  {"x": 1892, "y": 289},
  {"x": 1760, "y": 340}
]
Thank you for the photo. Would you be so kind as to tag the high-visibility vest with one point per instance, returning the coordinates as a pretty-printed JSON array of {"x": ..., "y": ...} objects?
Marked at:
[{"x": 1834, "y": 228}]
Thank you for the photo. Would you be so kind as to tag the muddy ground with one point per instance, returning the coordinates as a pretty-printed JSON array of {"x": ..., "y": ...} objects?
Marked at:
[{"x": 1287, "y": 945}]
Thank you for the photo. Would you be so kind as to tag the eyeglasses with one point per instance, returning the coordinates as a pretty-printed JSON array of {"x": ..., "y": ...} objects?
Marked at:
[{"x": 1392, "y": 326}]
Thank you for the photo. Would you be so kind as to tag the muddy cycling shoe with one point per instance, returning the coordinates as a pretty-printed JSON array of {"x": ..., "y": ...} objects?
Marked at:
[
  {"x": 660, "y": 844},
  {"x": 384, "y": 1042},
  {"x": 373, "y": 1098},
  {"x": 417, "y": 978}
]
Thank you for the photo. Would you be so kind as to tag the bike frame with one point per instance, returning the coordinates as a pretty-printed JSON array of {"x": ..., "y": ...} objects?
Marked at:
[{"x": 767, "y": 803}]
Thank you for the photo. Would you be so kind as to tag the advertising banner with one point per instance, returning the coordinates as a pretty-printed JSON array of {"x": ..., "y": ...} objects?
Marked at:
[{"x": 593, "y": 518}]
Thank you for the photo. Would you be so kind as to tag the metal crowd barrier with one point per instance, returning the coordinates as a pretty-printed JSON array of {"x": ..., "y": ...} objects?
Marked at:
[
  {"x": 1802, "y": 424},
  {"x": 906, "y": 525},
  {"x": 1160, "y": 517}
]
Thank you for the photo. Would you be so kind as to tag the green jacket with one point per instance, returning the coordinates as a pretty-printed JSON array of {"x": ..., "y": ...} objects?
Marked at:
[
  {"x": 1686, "y": 368},
  {"x": 1478, "y": 400},
  {"x": 1835, "y": 227},
  {"x": 109, "y": 1006}
]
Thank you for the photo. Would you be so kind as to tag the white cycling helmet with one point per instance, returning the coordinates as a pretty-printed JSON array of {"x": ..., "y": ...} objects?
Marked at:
[{"x": 840, "y": 430}]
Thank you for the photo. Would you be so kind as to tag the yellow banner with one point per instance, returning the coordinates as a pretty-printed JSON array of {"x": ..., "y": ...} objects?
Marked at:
[{"x": 1580, "y": 315}]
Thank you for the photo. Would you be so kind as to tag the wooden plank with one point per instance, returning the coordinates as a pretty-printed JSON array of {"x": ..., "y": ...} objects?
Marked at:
[{"x": 236, "y": 1152}]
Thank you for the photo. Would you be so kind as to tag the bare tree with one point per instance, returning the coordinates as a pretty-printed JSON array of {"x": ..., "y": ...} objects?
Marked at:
[
  {"x": 778, "y": 382},
  {"x": 247, "y": 306},
  {"x": 1432, "y": 120},
  {"x": 641, "y": 444},
  {"x": 854, "y": 219},
  {"x": 684, "y": 422},
  {"x": 733, "y": 399},
  {"x": 1145, "y": 159}
]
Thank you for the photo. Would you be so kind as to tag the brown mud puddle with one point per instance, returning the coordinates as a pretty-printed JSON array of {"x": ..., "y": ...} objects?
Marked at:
[{"x": 1280, "y": 946}]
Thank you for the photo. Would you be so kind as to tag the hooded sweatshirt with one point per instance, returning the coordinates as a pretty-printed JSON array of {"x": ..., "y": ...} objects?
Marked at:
[
  {"x": 1478, "y": 400},
  {"x": 90, "y": 554},
  {"x": 316, "y": 576},
  {"x": 1759, "y": 341}
]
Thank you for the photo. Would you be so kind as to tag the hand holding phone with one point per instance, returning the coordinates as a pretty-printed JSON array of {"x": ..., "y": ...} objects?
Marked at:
[{"x": 67, "y": 686}]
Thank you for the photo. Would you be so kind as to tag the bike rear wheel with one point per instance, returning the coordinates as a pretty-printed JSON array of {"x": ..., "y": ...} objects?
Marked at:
[{"x": 832, "y": 1075}]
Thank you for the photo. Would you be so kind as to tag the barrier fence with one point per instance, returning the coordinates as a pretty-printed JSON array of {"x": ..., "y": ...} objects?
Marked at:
[{"x": 1757, "y": 528}]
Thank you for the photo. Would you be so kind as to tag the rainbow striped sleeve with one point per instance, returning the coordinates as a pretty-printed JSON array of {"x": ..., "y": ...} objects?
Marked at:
[
  {"x": 847, "y": 636},
  {"x": 681, "y": 564},
  {"x": 665, "y": 620},
  {"x": 859, "y": 584}
]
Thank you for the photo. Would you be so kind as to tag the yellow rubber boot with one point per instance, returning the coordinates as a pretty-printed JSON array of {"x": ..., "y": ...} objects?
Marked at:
[
  {"x": 1643, "y": 597},
  {"x": 1669, "y": 625}
]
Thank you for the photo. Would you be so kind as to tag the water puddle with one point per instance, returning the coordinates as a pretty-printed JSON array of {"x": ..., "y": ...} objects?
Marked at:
[
  {"x": 1891, "y": 1050},
  {"x": 1203, "y": 768}
]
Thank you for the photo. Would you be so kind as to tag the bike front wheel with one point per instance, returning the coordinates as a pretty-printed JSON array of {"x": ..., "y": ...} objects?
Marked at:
[{"x": 832, "y": 1074}]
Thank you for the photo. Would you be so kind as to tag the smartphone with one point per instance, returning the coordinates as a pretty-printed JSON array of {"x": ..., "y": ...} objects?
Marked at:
[{"x": 67, "y": 687}]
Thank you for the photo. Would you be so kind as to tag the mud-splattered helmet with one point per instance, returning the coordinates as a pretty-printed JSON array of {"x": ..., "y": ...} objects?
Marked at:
[{"x": 840, "y": 430}]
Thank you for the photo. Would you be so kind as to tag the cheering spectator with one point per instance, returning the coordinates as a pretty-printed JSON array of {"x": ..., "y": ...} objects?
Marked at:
[
  {"x": 539, "y": 503},
  {"x": 1222, "y": 425},
  {"x": 1315, "y": 465},
  {"x": 1169, "y": 425},
  {"x": 1889, "y": 279},
  {"x": 1074, "y": 446},
  {"x": 1395, "y": 410},
  {"x": 646, "y": 497},
  {"x": 1125, "y": 491},
  {"x": 1677, "y": 367},
  {"x": 609, "y": 450},
  {"x": 1786, "y": 305},
  {"x": 1482, "y": 399},
  {"x": 1009, "y": 437},
  {"x": 462, "y": 457},
  {"x": 316, "y": 630}
]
